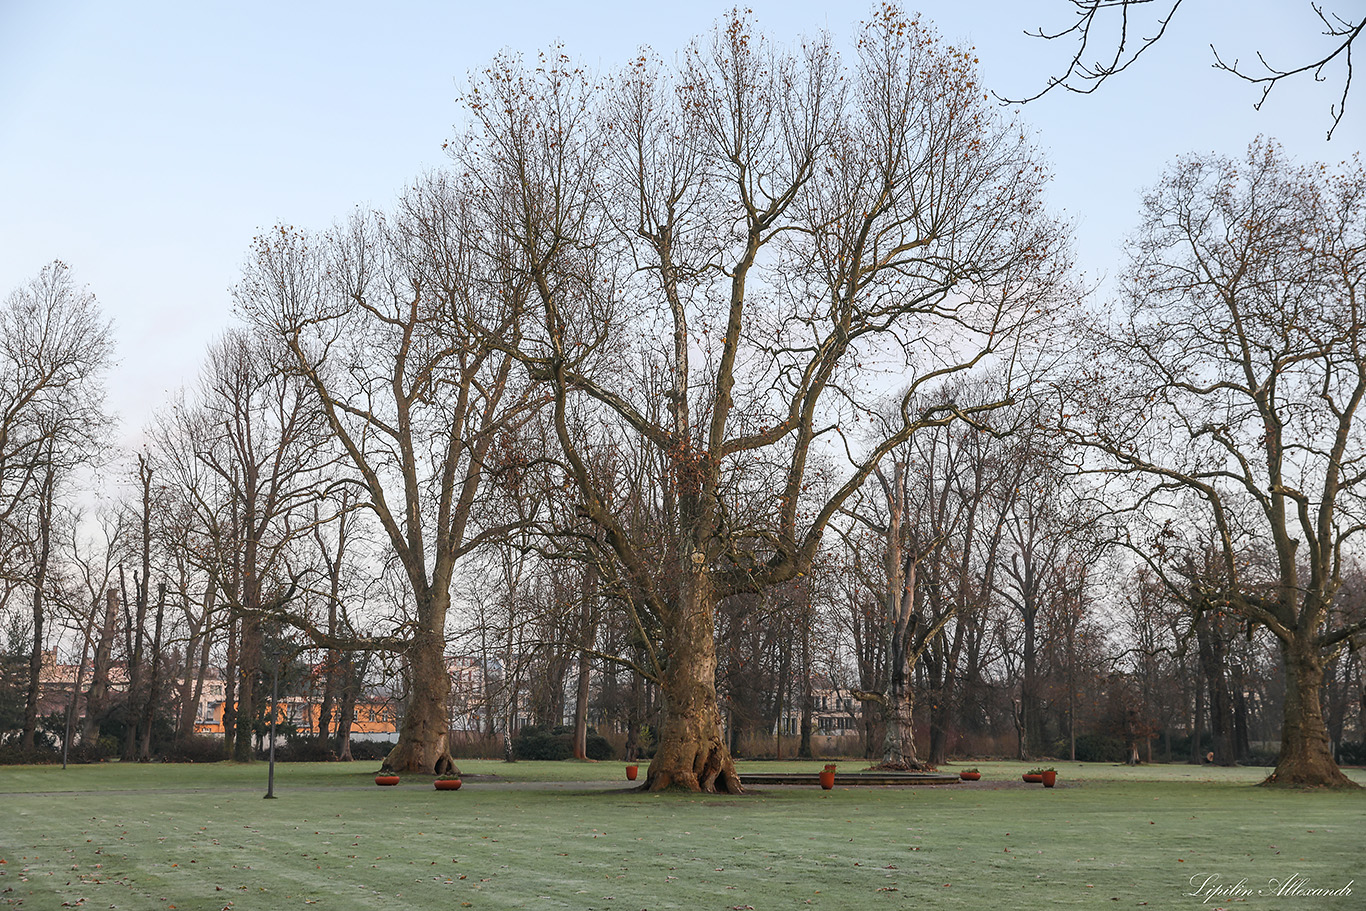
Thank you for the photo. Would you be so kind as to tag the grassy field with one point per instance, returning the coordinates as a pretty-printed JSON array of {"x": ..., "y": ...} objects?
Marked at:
[{"x": 569, "y": 835}]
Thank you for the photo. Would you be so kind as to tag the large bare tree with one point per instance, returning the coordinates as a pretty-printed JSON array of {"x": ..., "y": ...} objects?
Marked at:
[
  {"x": 774, "y": 235},
  {"x": 1233, "y": 387},
  {"x": 378, "y": 318}
]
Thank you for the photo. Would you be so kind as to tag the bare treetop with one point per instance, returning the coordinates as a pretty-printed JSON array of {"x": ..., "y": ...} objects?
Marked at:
[{"x": 1110, "y": 38}]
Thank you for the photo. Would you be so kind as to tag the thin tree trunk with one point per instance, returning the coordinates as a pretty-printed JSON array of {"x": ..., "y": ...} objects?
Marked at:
[
  {"x": 35, "y": 664},
  {"x": 42, "y": 554},
  {"x": 350, "y": 684},
  {"x": 97, "y": 698},
  {"x": 230, "y": 688},
  {"x": 588, "y": 636},
  {"x": 808, "y": 688},
  {"x": 1209, "y": 636},
  {"x": 136, "y": 672},
  {"x": 248, "y": 664},
  {"x": 154, "y": 683},
  {"x": 581, "y": 707}
]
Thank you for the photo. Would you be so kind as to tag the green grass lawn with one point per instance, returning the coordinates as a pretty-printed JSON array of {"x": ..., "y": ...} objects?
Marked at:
[{"x": 568, "y": 835}]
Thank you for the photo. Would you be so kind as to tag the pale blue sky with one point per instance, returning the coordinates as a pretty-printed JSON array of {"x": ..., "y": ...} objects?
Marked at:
[{"x": 144, "y": 143}]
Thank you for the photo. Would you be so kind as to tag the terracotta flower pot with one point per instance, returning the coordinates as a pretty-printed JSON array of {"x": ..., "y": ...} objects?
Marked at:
[
  {"x": 970, "y": 776},
  {"x": 631, "y": 772},
  {"x": 827, "y": 779},
  {"x": 386, "y": 780},
  {"x": 1050, "y": 779},
  {"x": 1032, "y": 777},
  {"x": 447, "y": 784}
]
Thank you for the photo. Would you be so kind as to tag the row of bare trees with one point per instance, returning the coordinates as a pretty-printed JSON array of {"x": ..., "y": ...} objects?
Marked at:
[{"x": 720, "y": 373}]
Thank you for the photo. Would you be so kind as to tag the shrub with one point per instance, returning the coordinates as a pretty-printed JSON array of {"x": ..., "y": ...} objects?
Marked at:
[
  {"x": 190, "y": 748},
  {"x": 1261, "y": 757},
  {"x": 304, "y": 748},
  {"x": 365, "y": 750},
  {"x": 107, "y": 747},
  {"x": 1099, "y": 748},
  {"x": 599, "y": 748},
  {"x": 1350, "y": 753},
  {"x": 469, "y": 745},
  {"x": 556, "y": 744},
  {"x": 41, "y": 754},
  {"x": 532, "y": 742}
]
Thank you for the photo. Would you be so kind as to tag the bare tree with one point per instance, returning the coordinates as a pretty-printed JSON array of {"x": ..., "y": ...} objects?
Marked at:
[
  {"x": 54, "y": 346},
  {"x": 244, "y": 456},
  {"x": 761, "y": 227},
  {"x": 378, "y": 317},
  {"x": 1110, "y": 36},
  {"x": 1233, "y": 388}
]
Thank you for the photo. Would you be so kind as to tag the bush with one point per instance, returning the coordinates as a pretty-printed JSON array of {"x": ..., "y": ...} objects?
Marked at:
[
  {"x": 366, "y": 750},
  {"x": 599, "y": 748},
  {"x": 303, "y": 748},
  {"x": 191, "y": 748},
  {"x": 41, "y": 754},
  {"x": 1262, "y": 757},
  {"x": 469, "y": 745},
  {"x": 107, "y": 747},
  {"x": 532, "y": 742},
  {"x": 1350, "y": 753},
  {"x": 556, "y": 744},
  {"x": 1099, "y": 748}
]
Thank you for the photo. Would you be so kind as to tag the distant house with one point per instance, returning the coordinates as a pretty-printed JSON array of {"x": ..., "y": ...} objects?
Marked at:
[{"x": 837, "y": 713}]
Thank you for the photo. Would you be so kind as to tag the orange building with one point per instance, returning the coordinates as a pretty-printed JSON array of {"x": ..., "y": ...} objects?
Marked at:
[{"x": 370, "y": 717}]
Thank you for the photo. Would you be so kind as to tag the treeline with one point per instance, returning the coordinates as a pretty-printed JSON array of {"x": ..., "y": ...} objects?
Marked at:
[{"x": 696, "y": 396}]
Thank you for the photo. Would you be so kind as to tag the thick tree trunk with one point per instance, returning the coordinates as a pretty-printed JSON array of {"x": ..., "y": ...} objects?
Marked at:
[
  {"x": 898, "y": 741},
  {"x": 692, "y": 753},
  {"x": 1306, "y": 755},
  {"x": 424, "y": 739}
]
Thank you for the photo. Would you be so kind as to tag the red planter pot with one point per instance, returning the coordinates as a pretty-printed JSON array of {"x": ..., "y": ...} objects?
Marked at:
[
  {"x": 447, "y": 784},
  {"x": 631, "y": 772},
  {"x": 970, "y": 776},
  {"x": 387, "y": 781},
  {"x": 1050, "y": 779},
  {"x": 1032, "y": 778},
  {"x": 828, "y": 779}
]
